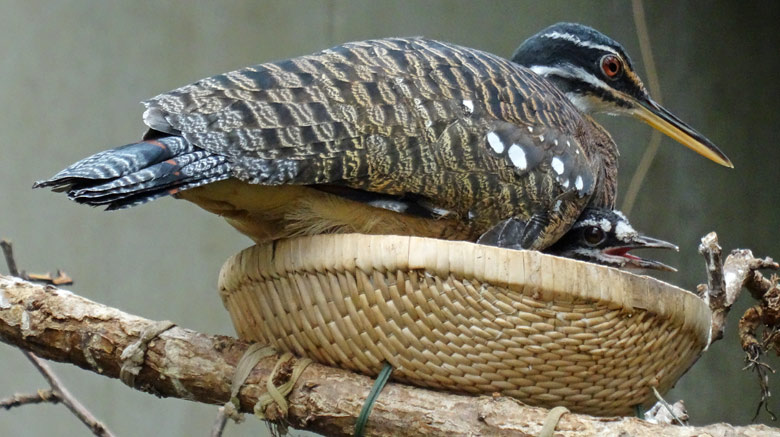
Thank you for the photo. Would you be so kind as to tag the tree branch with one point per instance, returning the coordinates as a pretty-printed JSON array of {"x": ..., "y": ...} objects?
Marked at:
[
  {"x": 41, "y": 397},
  {"x": 61, "y": 394},
  {"x": 61, "y": 326}
]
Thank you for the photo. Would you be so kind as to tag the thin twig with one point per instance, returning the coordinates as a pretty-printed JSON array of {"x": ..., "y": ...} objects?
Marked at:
[
  {"x": 219, "y": 423},
  {"x": 67, "y": 398},
  {"x": 632, "y": 192},
  {"x": 62, "y": 278},
  {"x": 668, "y": 407},
  {"x": 762, "y": 371},
  {"x": 58, "y": 392},
  {"x": 655, "y": 89},
  {"x": 763, "y": 315},
  {"x": 42, "y": 396},
  {"x": 8, "y": 251}
]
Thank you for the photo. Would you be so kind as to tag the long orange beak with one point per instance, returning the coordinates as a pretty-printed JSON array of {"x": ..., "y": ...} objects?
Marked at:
[{"x": 658, "y": 117}]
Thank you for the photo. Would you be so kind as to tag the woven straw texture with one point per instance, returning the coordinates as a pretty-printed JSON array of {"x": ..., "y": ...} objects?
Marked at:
[{"x": 468, "y": 318}]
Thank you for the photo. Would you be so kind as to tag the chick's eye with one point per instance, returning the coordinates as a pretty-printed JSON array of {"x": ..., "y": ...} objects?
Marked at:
[
  {"x": 611, "y": 66},
  {"x": 593, "y": 235}
]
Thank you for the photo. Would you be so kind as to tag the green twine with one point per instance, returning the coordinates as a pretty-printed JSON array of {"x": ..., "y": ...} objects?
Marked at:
[{"x": 368, "y": 405}]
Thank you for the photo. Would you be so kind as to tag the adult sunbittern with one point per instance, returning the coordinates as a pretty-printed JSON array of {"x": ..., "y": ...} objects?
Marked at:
[{"x": 334, "y": 142}]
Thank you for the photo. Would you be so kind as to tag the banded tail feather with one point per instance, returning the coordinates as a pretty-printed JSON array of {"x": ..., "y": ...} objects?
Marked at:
[{"x": 138, "y": 173}]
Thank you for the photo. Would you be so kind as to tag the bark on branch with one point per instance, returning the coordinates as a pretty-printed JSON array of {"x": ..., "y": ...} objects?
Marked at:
[{"x": 58, "y": 325}]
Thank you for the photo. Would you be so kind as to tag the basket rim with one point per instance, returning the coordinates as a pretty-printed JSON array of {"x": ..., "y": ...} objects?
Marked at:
[{"x": 507, "y": 268}]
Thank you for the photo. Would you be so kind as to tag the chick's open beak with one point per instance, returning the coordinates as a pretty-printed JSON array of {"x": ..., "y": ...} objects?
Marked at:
[{"x": 642, "y": 242}]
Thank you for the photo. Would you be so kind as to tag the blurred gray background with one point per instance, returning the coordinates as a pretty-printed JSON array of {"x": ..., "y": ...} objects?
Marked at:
[{"x": 72, "y": 74}]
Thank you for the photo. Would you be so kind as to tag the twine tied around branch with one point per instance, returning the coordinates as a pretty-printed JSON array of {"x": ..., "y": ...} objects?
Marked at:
[
  {"x": 133, "y": 355},
  {"x": 276, "y": 394}
]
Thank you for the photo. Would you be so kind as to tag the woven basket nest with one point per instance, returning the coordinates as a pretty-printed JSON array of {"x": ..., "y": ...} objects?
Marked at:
[{"x": 468, "y": 318}]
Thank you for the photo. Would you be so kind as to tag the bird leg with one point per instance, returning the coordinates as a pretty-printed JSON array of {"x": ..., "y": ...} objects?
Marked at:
[{"x": 514, "y": 233}]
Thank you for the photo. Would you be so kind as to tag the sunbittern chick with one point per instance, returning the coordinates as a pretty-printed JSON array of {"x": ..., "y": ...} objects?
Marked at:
[
  {"x": 605, "y": 236},
  {"x": 474, "y": 140},
  {"x": 600, "y": 235}
]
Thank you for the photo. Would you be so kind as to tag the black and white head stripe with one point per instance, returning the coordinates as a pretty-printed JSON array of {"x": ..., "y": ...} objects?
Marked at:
[
  {"x": 571, "y": 56},
  {"x": 564, "y": 42},
  {"x": 579, "y": 42},
  {"x": 588, "y": 92},
  {"x": 583, "y": 36}
]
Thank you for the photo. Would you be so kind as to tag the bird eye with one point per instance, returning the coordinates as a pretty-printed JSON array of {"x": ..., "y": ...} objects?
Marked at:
[
  {"x": 611, "y": 66},
  {"x": 593, "y": 235}
]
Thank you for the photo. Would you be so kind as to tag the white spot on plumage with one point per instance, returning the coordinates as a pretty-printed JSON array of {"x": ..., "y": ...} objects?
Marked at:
[
  {"x": 578, "y": 184},
  {"x": 433, "y": 208},
  {"x": 495, "y": 142},
  {"x": 541, "y": 138},
  {"x": 555, "y": 142},
  {"x": 469, "y": 105},
  {"x": 390, "y": 205},
  {"x": 565, "y": 183},
  {"x": 557, "y": 165},
  {"x": 517, "y": 156},
  {"x": 441, "y": 212},
  {"x": 530, "y": 129},
  {"x": 568, "y": 143}
]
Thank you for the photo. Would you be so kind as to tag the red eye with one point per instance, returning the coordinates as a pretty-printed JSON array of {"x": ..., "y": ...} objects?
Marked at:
[{"x": 611, "y": 66}]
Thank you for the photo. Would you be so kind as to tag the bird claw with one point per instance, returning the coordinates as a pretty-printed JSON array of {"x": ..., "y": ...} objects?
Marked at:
[{"x": 509, "y": 234}]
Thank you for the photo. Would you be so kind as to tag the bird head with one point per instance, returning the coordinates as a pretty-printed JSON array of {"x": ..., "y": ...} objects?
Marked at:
[
  {"x": 597, "y": 75},
  {"x": 604, "y": 236}
]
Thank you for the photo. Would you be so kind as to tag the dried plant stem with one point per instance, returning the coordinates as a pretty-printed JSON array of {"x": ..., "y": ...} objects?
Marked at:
[{"x": 655, "y": 89}]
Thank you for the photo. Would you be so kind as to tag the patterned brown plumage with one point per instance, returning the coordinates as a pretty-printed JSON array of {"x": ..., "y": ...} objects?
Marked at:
[{"x": 297, "y": 146}]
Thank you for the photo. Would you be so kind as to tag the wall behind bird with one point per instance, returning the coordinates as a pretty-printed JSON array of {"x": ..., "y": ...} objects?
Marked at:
[{"x": 73, "y": 73}]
